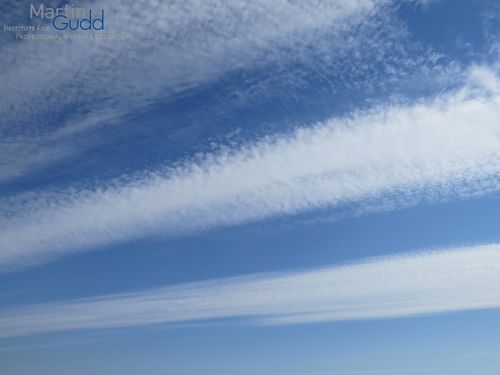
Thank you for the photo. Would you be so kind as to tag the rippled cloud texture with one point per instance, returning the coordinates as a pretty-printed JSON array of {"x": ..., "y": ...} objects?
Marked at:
[{"x": 448, "y": 146}]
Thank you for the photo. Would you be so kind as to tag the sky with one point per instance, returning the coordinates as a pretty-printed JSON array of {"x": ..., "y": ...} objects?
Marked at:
[{"x": 250, "y": 187}]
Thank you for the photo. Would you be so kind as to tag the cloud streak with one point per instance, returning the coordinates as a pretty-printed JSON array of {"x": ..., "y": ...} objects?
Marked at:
[
  {"x": 173, "y": 47},
  {"x": 447, "y": 147},
  {"x": 403, "y": 285},
  {"x": 63, "y": 95}
]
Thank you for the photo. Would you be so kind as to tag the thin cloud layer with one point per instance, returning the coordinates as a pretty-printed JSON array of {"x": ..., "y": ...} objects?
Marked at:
[
  {"x": 388, "y": 287},
  {"x": 195, "y": 40},
  {"x": 170, "y": 47},
  {"x": 448, "y": 147}
]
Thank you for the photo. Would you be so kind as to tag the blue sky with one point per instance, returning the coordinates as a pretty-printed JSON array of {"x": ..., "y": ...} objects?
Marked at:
[{"x": 252, "y": 187}]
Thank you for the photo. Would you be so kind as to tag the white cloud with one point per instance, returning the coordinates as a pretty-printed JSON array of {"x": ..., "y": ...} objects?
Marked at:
[
  {"x": 450, "y": 146},
  {"x": 388, "y": 287},
  {"x": 177, "y": 46},
  {"x": 173, "y": 45}
]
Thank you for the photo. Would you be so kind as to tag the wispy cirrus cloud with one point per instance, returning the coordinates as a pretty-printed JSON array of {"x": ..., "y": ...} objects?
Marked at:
[
  {"x": 402, "y": 285},
  {"x": 479, "y": 354},
  {"x": 179, "y": 46},
  {"x": 172, "y": 46},
  {"x": 449, "y": 146}
]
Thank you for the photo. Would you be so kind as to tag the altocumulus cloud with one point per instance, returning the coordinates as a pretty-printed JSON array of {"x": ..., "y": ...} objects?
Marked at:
[
  {"x": 403, "y": 285},
  {"x": 449, "y": 146}
]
